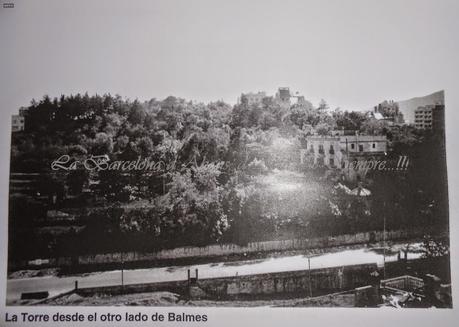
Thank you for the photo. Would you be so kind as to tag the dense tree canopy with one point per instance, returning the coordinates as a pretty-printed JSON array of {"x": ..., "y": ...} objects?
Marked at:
[{"x": 226, "y": 173}]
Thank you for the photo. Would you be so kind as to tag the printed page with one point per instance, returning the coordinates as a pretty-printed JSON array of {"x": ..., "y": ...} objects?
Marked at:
[{"x": 227, "y": 163}]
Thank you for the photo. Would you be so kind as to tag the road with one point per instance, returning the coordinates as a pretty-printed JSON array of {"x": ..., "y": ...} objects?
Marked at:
[{"x": 56, "y": 285}]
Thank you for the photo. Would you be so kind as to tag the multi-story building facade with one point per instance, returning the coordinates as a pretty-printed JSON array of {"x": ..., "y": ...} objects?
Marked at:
[
  {"x": 17, "y": 123},
  {"x": 326, "y": 150},
  {"x": 301, "y": 101},
  {"x": 389, "y": 111},
  {"x": 423, "y": 117},
  {"x": 430, "y": 117},
  {"x": 342, "y": 151},
  {"x": 333, "y": 150},
  {"x": 252, "y": 98},
  {"x": 283, "y": 95}
]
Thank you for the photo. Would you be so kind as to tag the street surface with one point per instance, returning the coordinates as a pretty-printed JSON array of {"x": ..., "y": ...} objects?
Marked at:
[{"x": 56, "y": 285}]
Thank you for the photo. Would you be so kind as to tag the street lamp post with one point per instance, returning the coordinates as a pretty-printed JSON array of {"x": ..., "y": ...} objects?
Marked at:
[
  {"x": 122, "y": 270},
  {"x": 386, "y": 192},
  {"x": 384, "y": 243},
  {"x": 122, "y": 274}
]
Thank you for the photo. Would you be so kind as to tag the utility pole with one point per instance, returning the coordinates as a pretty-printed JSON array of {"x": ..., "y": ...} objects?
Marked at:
[
  {"x": 384, "y": 241},
  {"x": 309, "y": 276},
  {"x": 122, "y": 270},
  {"x": 122, "y": 274}
]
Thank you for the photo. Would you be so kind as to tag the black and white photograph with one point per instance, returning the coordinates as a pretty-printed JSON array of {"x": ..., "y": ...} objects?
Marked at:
[{"x": 236, "y": 154}]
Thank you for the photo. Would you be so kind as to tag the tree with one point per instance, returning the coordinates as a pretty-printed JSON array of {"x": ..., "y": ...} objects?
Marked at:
[
  {"x": 373, "y": 127},
  {"x": 102, "y": 144},
  {"x": 137, "y": 114},
  {"x": 193, "y": 204},
  {"x": 435, "y": 247},
  {"x": 323, "y": 129}
]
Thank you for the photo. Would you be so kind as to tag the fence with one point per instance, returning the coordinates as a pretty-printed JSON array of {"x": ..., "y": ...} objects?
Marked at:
[
  {"x": 218, "y": 250},
  {"x": 254, "y": 247},
  {"x": 405, "y": 283}
]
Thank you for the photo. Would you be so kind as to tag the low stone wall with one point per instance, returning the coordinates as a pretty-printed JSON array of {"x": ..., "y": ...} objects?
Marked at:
[
  {"x": 179, "y": 287},
  {"x": 302, "y": 282},
  {"x": 315, "y": 281}
]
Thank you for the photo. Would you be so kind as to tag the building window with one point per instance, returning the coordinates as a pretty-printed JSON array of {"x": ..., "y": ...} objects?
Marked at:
[
  {"x": 321, "y": 149},
  {"x": 332, "y": 150},
  {"x": 332, "y": 162},
  {"x": 373, "y": 145},
  {"x": 360, "y": 147},
  {"x": 352, "y": 146}
]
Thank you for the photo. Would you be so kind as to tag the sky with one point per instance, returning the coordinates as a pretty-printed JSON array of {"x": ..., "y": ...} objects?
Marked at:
[{"x": 353, "y": 53}]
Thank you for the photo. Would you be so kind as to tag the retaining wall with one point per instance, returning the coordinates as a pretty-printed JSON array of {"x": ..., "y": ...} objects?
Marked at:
[
  {"x": 315, "y": 281},
  {"x": 303, "y": 282}
]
